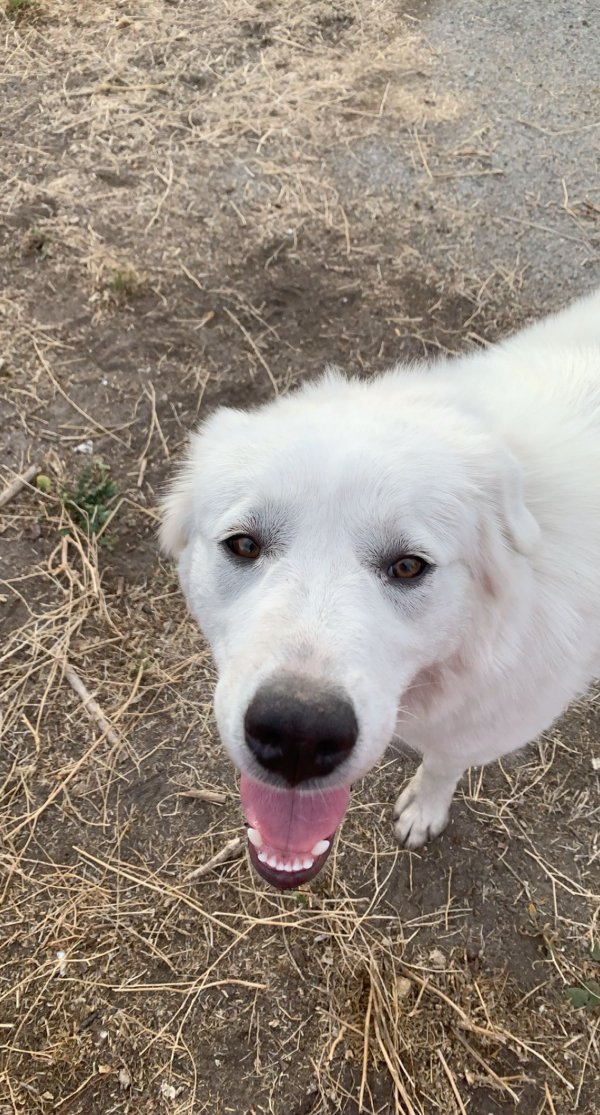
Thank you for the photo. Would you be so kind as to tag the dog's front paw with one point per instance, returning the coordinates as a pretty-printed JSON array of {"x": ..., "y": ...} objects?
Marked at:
[{"x": 419, "y": 815}]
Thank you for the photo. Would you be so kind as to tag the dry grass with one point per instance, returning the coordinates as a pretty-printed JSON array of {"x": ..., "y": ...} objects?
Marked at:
[
  {"x": 120, "y": 976},
  {"x": 170, "y": 187}
]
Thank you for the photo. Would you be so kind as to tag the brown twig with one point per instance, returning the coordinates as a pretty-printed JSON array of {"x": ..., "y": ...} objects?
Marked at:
[
  {"x": 452, "y": 1082},
  {"x": 254, "y": 347},
  {"x": 213, "y": 797},
  {"x": 18, "y": 484},
  {"x": 365, "y": 1052},
  {"x": 230, "y": 851},
  {"x": 484, "y": 1065},
  {"x": 90, "y": 705},
  {"x": 70, "y": 401}
]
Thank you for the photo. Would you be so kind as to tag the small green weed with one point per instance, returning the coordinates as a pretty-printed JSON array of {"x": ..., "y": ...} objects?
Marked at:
[
  {"x": 43, "y": 483},
  {"x": 585, "y": 997},
  {"x": 20, "y": 9},
  {"x": 141, "y": 662},
  {"x": 37, "y": 243},
  {"x": 88, "y": 504},
  {"x": 124, "y": 284}
]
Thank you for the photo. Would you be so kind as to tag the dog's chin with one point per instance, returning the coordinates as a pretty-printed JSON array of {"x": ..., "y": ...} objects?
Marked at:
[{"x": 287, "y": 879}]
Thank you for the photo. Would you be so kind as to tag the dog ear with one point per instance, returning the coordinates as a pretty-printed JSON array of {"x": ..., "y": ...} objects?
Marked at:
[
  {"x": 521, "y": 528},
  {"x": 176, "y": 512},
  {"x": 179, "y": 505}
]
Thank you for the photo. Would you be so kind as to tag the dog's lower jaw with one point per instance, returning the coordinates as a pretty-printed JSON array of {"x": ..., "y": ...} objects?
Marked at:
[{"x": 422, "y": 810}]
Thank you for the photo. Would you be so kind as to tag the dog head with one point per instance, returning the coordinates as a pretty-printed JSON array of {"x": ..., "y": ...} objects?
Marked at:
[{"x": 333, "y": 545}]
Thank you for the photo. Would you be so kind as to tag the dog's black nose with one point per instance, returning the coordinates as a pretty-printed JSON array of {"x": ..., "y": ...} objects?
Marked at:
[{"x": 299, "y": 729}]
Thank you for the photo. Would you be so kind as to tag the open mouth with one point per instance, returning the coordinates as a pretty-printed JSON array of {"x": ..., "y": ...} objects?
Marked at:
[{"x": 290, "y": 830}]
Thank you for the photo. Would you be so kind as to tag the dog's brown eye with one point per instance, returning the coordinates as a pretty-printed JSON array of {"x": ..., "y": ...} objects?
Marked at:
[
  {"x": 407, "y": 568},
  {"x": 243, "y": 546}
]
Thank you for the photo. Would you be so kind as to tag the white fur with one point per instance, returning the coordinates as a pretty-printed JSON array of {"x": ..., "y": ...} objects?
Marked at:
[{"x": 489, "y": 466}]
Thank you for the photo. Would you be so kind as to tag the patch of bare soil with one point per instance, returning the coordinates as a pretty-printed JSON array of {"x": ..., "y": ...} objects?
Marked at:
[{"x": 176, "y": 235}]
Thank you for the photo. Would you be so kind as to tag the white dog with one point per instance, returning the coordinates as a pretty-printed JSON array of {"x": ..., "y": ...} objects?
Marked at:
[{"x": 415, "y": 554}]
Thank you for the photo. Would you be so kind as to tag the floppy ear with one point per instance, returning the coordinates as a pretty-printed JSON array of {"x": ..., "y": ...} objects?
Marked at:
[
  {"x": 521, "y": 528},
  {"x": 179, "y": 506},
  {"x": 176, "y": 512}
]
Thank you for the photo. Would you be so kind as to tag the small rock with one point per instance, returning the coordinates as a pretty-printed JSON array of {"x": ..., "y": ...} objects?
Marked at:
[
  {"x": 403, "y": 987},
  {"x": 124, "y": 1078},
  {"x": 437, "y": 960}
]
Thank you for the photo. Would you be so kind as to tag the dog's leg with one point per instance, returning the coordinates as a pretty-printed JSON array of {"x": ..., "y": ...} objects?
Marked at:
[{"x": 423, "y": 808}]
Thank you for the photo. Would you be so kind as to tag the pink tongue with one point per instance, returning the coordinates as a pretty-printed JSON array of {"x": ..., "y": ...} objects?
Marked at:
[{"x": 292, "y": 820}]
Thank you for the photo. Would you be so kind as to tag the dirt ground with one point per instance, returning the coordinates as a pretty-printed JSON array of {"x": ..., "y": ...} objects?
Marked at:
[{"x": 202, "y": 203}]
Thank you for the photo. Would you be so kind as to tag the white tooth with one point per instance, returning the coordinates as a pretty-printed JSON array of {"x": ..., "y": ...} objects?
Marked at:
[
  {"x": 297, "y": 865},
  {"x": 255, "y": 838},
  {"x": 272, "y": 861},
  {"x": 307, "y": 862},
  {"x": 262, "y": 857},
  {"x": 287, "y": 867},
  {"x": 320, "y": 847}
]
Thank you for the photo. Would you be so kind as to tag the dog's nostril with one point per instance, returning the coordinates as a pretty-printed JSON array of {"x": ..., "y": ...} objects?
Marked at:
[
  {"x": 266, "y": 739},
  {"x": 328, "y": 747},
  {"x": 300, "y": 730},
  {"x": 266, "y": 752}
]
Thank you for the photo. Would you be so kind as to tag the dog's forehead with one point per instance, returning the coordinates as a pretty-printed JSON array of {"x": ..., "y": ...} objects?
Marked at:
[
  {"x": 367, "y": 463},
  {"x": 326, "y": 439}
]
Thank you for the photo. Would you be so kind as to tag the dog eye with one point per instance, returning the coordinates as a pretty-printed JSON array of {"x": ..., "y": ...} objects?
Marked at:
[
  {"x": 407, "y": 568},
  {"x": 243, "y": 546}
]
